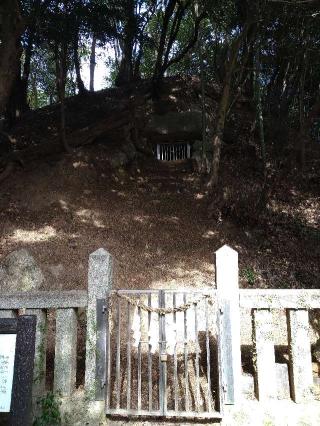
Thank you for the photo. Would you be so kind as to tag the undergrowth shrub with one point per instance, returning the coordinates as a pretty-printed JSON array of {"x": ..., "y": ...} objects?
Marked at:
[{"x": 49, "y": 411}]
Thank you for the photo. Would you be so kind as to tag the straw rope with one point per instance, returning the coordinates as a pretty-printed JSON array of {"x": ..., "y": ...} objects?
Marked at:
[{"x": 163, "y": 311}]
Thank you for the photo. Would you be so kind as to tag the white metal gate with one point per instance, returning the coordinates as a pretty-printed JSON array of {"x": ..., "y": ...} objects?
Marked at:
[{"x": 161, "y": 358}]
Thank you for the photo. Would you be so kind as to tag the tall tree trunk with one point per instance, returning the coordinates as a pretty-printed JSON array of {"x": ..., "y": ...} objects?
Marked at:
[
  {"x": 92, "y": 62},
  {"x": 136, "y": 68},
  {"x": 10, "y": 48},
  {"x": 77, "y": 64},
  {"x": 203, "y": 106},
  {"x": 301, "y": 148},
  {"x": 26, "y": 71},
  {"x": 223, "y": 107},
  {"x": 34, "y": 92},
  {"x": 13, "y": 107},
  {"x": 258, "y": 101},
  {"x": 61, "y": 74},
  {"x": 203, "y": 94},
  {"x": 125, "y": 74},
  {"x": 301, "y": 119},
  {"x": 304, "y": 132},
  {"x": 18, "y": 101}
]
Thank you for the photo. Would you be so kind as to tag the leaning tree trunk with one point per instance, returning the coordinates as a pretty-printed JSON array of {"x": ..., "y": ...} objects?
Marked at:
[
  {"x": 223, "y": 107},
  {"x": 10, "y": 48}
]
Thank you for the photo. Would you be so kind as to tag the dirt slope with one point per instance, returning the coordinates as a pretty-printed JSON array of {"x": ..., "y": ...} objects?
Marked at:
[{"x": 154, "y": 220}]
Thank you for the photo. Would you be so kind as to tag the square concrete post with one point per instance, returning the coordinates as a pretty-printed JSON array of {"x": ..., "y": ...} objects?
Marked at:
[
  {"x": 39, "y": 370},
  {"x": 264, "y": 360},
  {"x": 300, "y": 354},
  {"x": 229, "y": 324},
  {"x": 99, "y": 284},
  {"x": 65, "y": 361}
]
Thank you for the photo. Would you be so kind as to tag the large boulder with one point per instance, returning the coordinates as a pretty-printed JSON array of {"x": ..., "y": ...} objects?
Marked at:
[
  {"x": 186, "y": 125},
  {"x": 19, "y": 272}
]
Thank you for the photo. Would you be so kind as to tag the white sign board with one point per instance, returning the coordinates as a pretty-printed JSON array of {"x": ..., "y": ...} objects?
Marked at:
[{"x": 7, "y": 351}]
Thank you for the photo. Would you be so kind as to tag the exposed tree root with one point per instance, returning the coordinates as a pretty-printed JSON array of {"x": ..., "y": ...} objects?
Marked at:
[{"x": 76, "y": 139}]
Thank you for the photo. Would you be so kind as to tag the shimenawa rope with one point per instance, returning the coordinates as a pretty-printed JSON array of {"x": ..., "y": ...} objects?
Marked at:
[{"x": 163, "y": 311}]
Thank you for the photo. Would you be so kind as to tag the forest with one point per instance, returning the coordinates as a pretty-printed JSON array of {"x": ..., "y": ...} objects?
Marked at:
[{"x": 235, "y": 81}]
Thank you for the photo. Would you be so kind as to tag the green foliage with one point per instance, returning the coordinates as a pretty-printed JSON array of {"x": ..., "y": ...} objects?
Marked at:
[
  {"x": 49, "y": 411},
  {"x": 250, "y": 275}
]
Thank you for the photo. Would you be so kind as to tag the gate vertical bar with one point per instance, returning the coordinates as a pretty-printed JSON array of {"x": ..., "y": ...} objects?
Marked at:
[
  {"x": 128, "y": 358},
  {"x": 164, "y": 348},
  {"x": 197, "y": 357},
  {"x": 162, "y": 357},
  {"x": 160, "y": 364},
  {"x": 208, "y": 356},
  {"x": 175, "y": 366},
  {"x": 108, "y": 361},
  {"x": 186, "y": 355},
  {"x": 118, "y": 355},
  {"x": 139, "y": 361},
  {"x": 149, "y": 356}
]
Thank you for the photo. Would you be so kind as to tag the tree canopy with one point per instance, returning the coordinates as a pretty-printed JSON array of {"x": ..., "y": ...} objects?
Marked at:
[{"x": 265, "y": 49}]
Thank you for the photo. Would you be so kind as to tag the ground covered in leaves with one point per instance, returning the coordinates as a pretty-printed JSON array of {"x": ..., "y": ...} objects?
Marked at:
[{"x": 155, "y": 221}]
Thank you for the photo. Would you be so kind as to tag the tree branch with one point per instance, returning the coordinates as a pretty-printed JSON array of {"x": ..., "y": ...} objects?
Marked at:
[{"x": 189, "y": 46}]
